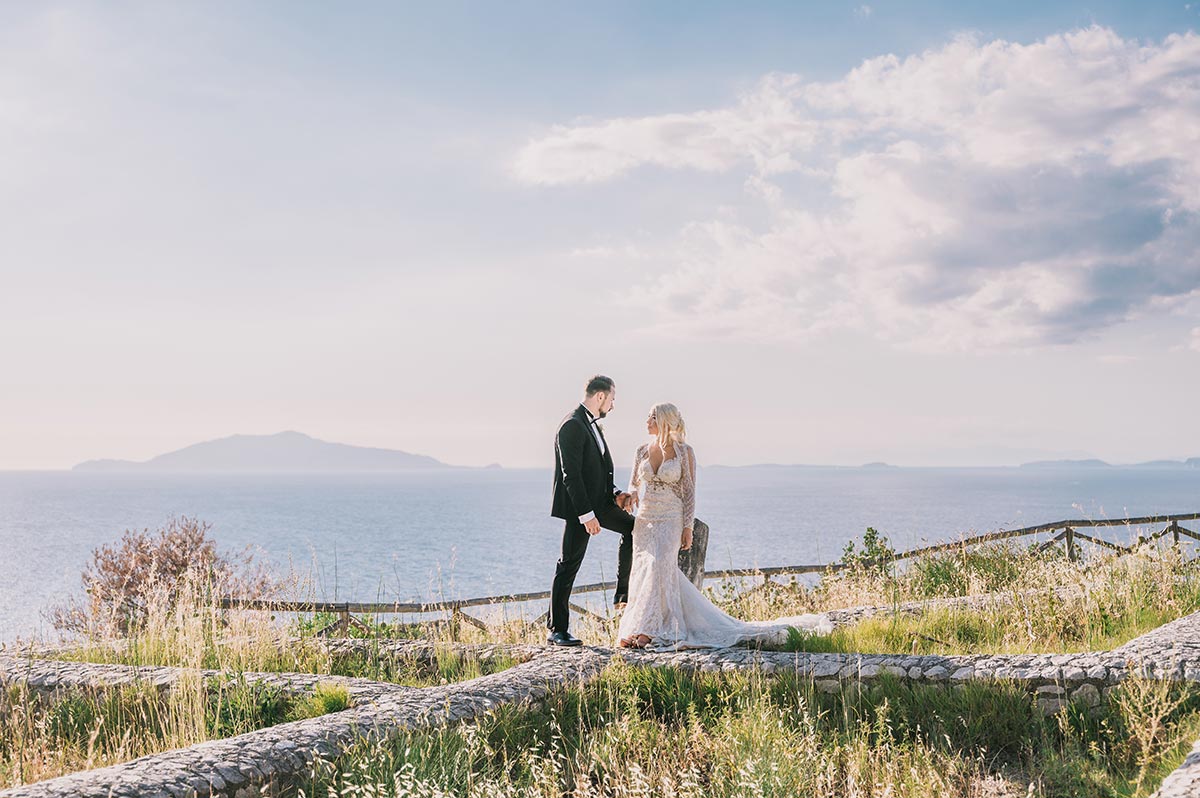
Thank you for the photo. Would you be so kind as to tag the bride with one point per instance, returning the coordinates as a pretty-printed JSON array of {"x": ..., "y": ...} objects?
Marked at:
[{"x": 665, "y": 610}]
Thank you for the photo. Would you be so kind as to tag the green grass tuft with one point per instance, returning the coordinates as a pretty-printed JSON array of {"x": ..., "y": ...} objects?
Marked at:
[{"x": 324, "y": 699}]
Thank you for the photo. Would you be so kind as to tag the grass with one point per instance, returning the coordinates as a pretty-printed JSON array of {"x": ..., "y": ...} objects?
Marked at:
[
  {"x": 292, "y": 655},
  {"x": 652, "y": 732},
  {"x": 446, "y": 667},
  {"x": 326, "y": 698},
  {"x": 1044, "y": 604},
  {"x": 1113, "y": 599},
  {"x": 193, "y": 631},
  {"x": 42, "y": 737},
  {"x": 1036, "y": 624},
  {"x": 642, "y": 732}
]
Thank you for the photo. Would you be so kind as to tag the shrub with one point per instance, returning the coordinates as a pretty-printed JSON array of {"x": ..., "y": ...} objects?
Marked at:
[
  {"x": 877, "y": 553},
  {"x": 121, "y": 578}
]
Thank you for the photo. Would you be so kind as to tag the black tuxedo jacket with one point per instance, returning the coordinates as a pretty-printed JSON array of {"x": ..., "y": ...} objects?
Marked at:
[{"x": 583, "y": 475}]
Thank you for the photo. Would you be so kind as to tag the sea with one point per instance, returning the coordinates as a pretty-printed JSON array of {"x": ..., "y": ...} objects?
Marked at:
[{"x": 461, "y": 533}]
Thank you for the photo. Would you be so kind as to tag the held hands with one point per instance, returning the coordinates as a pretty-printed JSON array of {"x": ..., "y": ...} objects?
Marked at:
[
  {"x": 685, "y": 542},
  {"x": 592, "y": 526},
  {"x": 627, "y": 501}
]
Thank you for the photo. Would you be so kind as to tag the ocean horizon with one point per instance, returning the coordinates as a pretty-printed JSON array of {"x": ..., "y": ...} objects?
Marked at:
[{"x": 457, "y": 533}]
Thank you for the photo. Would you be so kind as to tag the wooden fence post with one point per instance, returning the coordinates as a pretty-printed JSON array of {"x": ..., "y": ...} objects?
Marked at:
[
  {"x": 1175, "y": 533},
  {"x": 1072, "y": 548},
  {"x": 691, "y": 562}
]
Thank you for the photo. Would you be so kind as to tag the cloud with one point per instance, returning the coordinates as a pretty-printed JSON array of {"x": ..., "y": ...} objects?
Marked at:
[
  {"x": 983, "y": 194},
  {"x": 761, "y": 130},
  {"x": 1195, "y": 343},
  {"x": 863, "y": 12}
]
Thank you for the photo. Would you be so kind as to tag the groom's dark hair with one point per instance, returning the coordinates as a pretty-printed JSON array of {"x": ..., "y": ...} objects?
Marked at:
[{"x": 599, "y": 383}]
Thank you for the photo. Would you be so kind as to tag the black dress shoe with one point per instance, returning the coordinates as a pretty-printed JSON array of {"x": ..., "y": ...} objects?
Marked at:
[{"x": 563, "y": 639}]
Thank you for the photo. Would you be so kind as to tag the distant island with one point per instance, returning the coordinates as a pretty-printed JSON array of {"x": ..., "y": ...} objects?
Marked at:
[
  {"x": 283, "y": 452},
  {"x": 1191, "y": 462},
  {"x": 1092, "y": 463}
]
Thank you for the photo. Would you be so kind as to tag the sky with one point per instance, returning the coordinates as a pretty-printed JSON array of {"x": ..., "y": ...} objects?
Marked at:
[{"x": 931, "y": 233}]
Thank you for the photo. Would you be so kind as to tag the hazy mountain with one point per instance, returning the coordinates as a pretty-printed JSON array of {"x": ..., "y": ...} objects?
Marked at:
[
  {"x": 1191, "y": 462},
  {"x": 283, "y": 452},
  {"x": 1162, "y": 464},
  {"x": 1092, "y": 463}
]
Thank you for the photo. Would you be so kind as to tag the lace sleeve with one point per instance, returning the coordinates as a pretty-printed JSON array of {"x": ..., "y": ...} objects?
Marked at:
[
  {"x": 635, "y": 476},
  {"x": 688, "y": 481}
]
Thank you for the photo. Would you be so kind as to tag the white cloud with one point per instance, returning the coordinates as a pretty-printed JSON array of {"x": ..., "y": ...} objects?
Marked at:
[
  {"x": 762, "y": 129},
  {"x": 603, "y": 252},
  {"x": 863, "y": 12},
  {"x": 1195, "y": 344},
  {"x": 980, "y": 194}
]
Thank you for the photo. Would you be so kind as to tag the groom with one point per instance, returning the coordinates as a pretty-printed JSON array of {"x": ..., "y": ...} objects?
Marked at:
[{"x": 586, "y": 498}]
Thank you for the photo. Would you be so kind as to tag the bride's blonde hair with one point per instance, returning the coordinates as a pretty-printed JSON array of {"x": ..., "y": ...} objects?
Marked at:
[{"x": 671, "y": 429}]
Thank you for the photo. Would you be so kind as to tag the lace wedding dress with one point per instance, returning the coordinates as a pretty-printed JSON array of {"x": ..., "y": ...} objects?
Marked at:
[{"x": 663, "y": 604}]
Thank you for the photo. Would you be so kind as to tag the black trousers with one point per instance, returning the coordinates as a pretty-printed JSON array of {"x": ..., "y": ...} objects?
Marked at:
[{"x": 574, "y": 546}]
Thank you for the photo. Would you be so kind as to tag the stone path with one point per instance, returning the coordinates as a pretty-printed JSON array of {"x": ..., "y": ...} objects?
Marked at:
[{"x": 264, "y": 761}]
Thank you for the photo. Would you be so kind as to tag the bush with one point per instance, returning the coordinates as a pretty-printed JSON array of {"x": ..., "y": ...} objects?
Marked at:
[
  {"x": 122, "y": 578},
  {"x": 877, "y": 553}
]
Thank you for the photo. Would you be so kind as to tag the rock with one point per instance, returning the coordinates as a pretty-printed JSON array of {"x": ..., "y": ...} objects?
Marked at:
[
  {"x": 1088, "y": 695},
  {"x": 1073, "y": 674},
  {"x": 826, "y": 667},
  {"x": 869, "y": 671}
]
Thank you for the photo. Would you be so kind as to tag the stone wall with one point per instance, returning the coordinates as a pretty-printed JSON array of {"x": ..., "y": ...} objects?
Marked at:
[{"x": 264, "y": 761}]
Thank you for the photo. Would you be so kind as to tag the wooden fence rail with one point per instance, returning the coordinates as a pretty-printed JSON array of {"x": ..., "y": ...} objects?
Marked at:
[{"x": 1068, "y": 533}]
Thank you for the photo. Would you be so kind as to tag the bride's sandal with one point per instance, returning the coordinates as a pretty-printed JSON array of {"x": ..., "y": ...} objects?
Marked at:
[{"x": 641, "y": 641}]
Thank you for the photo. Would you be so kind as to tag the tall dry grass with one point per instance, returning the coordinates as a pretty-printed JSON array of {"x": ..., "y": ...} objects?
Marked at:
[
  {"x": 46, "y": 736},
  {"x": 653, "y": 732},
  {"x": 1037, "y": 602}
]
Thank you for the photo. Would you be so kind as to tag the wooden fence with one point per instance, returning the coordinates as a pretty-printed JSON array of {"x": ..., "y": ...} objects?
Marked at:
[{"x": 1067, "y": 532}]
